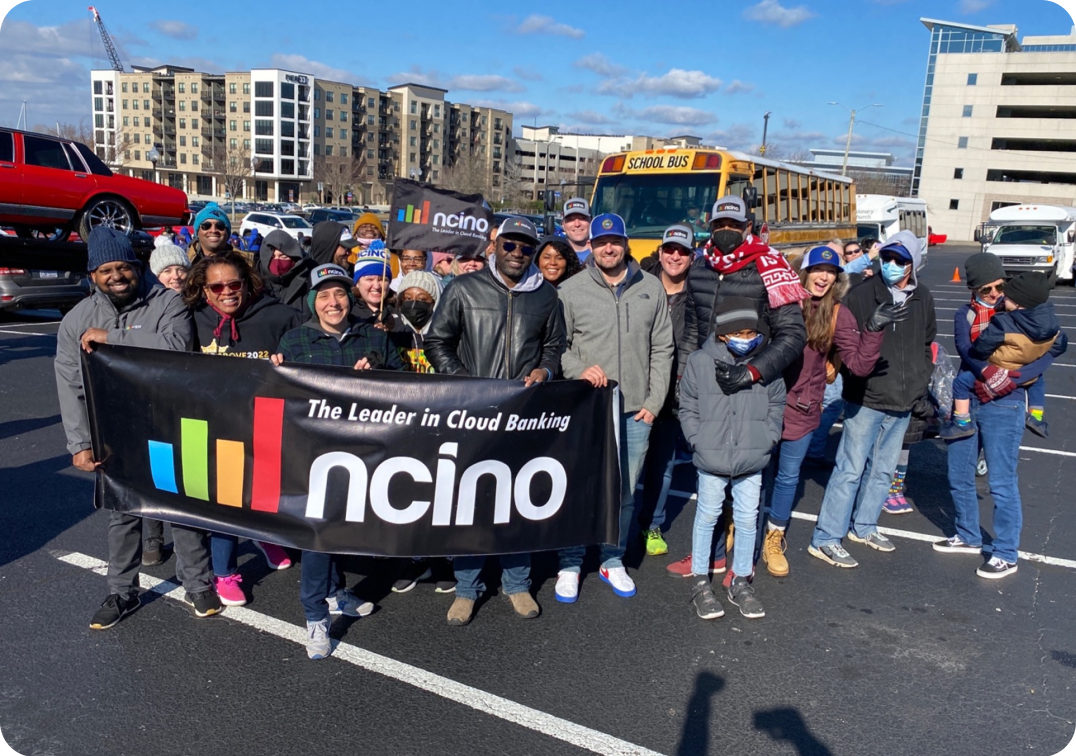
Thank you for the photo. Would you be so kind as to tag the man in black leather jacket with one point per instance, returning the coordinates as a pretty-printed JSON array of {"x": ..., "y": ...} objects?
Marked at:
[{"x": 501, "y": 322}]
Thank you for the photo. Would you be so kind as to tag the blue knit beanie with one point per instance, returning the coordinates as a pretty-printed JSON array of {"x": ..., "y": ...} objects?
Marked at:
[
  {"x": 212, "y": 211},
  {"x": 107, "y": 245},
  {"x": 373, "y": 261}
]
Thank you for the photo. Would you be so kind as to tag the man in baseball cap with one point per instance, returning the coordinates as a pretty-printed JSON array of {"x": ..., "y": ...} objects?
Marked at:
[
  {"x": 520, "y": 228},
  {"x": 576, "y": 225}
]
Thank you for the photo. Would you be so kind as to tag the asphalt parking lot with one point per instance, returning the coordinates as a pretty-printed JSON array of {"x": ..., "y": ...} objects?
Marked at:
[{"x": 909, "y": 654}]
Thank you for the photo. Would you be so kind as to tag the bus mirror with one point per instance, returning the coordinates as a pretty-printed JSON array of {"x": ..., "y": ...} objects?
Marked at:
[
  {"x": 978, "y": 235},
  {"x": 1072, "y": 236},
  {"x": 750, "y": 196}
]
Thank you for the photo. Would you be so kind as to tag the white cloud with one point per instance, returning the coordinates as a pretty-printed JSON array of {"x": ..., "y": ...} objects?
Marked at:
[
  {"x": 319, "y": 70},
  {"x": 520, "y": 109},
  {"x": 175, "y": 29},
  {"x": 772, "y": 12},
  {"x": 590, "y": 117},
  {"x": 791, "y": 123},
  {"x": 673, "y": 114},
  {"x": 675, "y": 83},
  {"x": 737, "y": 87},
  {"x": 738, "y": 136},
  {"x": 535, "y": 24},
  {"x": 416, "y": 75},
  {"x": 485, "y": 83},
  {"x": 598, "y": 63},
  {"x": 528, "y": 74},
  {"x": 968, "y": 7}
]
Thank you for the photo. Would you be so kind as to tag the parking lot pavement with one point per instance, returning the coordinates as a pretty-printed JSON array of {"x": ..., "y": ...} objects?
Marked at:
[{"x": 909, "y": 654}]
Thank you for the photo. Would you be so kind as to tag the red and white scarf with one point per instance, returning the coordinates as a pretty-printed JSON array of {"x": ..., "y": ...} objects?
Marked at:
[
  {"x": 982, "y": 315},
  {"x": 782, "y": 284}
]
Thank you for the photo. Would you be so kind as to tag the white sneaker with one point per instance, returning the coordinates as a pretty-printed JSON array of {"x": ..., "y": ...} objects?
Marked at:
[
  {"x": 618, "y": 580},
  {"x": 346, "y": 602},
  {"x": 567, "y": 587},
  {"x": 318, "y": 645}
]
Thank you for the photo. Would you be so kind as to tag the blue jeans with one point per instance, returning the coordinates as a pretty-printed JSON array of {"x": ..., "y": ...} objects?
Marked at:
[
  {"x": 223, "y": 548},
  {"x": 746, "y": 499},
  {"x": 634, "y": 439},
  {"x": 866, "y": 460},
  {"x": 832, "y": 406},
  {"x": 964, "y": 385},
  {"x": 1036, "y": 393},
  {"x": 516, "y": 576},
  {"x": 789, "y": 460},
  {"x": 1001, "y": 428},
  {"x": 321, "y": 578},
  {"x": 658, "y": 471}
]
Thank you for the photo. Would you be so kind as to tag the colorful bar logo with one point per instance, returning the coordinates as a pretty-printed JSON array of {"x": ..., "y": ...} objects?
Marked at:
[
  {"x": 412, "y": 214},
  {"x": 230, "y": 459}
]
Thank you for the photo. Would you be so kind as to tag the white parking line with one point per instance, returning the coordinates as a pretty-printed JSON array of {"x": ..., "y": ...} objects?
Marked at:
[
  {"x": 924, "y": 537},
  {"x": 1059, "y": 396},
  {"x": 479, "y": 700}
]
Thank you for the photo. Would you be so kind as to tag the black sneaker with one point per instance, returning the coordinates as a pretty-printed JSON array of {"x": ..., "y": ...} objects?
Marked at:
[
  {"x": 413, "y": 571},
  {"x": 114, "y": 608},
  {"x": 1038, "y": 427},
  {"x": 705, "y": 602},
  {"x": 205, "y": 603},
  {"x": 154, "y": 555},
  {"x": 955, "y": 545},
  {"x": 742, "y": 594},
  {"x": 996, "y": 568}
]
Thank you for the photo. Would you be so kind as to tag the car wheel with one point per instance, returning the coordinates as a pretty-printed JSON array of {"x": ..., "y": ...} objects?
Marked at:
[{"x": 108, "y": 212}]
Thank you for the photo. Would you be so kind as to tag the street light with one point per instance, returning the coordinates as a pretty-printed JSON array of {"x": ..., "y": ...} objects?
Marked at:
[
  {"x": 851, "y": 125},
  {"x": 153, "y": 156}
]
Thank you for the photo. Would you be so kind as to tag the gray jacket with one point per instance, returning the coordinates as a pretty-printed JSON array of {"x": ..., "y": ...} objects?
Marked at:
[
  {"x": 730, "y": 435},
  {"x": 626, "y": 331},
  {"x": 157, "y": 319}
]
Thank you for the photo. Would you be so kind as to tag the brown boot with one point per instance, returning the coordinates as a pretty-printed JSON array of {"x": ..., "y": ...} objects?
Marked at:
[
  {"x": 773, "y": 553},
  {"x": 461, "y": 611},
  {"x": 524, "y": 604}
]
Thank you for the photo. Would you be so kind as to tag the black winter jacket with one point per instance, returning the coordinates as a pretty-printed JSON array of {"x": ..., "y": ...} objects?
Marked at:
[
  {"x": 259, "y": 329},
  {"x": 903, "y": 371},
  {"x": 483, "y": 329},
  {"x": 290, "y": 288},
  {"x": 783, "y": 326}
]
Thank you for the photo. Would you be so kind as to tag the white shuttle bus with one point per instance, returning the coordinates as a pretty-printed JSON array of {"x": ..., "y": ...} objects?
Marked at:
[
  {"x": 882, "y": 216},
  {"x": 1034, "y": 237}
]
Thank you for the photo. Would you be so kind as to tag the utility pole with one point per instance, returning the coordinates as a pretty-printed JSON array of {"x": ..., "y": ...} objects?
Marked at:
[
  {"x": 765, "y": 129},
  {"x": 851, "y": 126}
]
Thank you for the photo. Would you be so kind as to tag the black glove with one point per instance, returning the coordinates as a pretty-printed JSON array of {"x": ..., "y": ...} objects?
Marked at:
[
  {"x": 732, "y": 378},
  {"x": 886, "y": 314}
]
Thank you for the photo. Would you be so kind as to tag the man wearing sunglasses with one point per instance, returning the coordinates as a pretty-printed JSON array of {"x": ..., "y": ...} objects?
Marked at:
[
  {"x": 878, "y": 407},
  {"x": 501, "y": 322},
  {"x": 212, "y": 229}
]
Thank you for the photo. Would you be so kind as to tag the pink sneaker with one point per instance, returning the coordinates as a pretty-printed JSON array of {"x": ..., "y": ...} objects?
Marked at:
[
  {"x": 277, "y": 558},
  {"x": 228, "y": 590}
]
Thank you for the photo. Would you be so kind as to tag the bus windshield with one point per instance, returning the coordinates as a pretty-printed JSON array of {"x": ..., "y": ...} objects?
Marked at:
[
  {"x": 649, "y": 204},
  {"x": 872, "y": 230},
  {"x": 1026, "y": 235}
]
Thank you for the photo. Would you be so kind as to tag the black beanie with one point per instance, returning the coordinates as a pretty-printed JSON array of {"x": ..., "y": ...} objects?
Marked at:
[
  {"x": 735, "y": 314},
  {"x": 983, "y": 268},
  {"x": 1029, "y": 289}
]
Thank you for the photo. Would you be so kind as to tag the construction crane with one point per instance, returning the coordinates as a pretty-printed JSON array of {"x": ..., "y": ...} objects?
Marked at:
[{"x": 106, "y": 38}]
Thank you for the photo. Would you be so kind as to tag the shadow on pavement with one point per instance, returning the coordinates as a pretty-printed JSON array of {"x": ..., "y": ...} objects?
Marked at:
[
  {"x": 13, "y": 428},
  {"x": 695, "y": 739},
  {"x": 787, "y": 725}
]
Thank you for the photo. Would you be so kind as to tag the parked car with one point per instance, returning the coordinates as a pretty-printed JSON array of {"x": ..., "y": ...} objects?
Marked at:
[
  {"x": 325, "y": 213},
  {"x": 31, "y": 288},
  {"x": 293, "y": 225},
  {"x": 50, "y": 186}
]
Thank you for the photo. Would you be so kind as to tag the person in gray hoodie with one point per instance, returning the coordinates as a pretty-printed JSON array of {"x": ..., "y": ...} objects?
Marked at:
[
  {"x": 617, "y": 320},
  {"x": 125, "y": 309},
  {"x": 732, "y": 437}
]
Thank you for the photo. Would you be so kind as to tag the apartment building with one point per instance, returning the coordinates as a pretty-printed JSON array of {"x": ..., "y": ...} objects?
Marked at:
[
  {"x": 277, "y": 135},
  {"x": 997, "y": 123}
]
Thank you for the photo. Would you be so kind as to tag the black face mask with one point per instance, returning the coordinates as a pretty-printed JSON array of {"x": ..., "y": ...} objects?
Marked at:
[
  {"x": 417, "y": 312},
  {"x": 726, "y": 240}
]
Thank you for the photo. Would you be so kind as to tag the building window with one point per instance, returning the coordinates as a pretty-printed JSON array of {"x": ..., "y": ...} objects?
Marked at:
[
  {"x": 958, "y": 173},
  {"x": 126, "y": 121},
  {"x": 412, "y": 158},
  {"x": 194, "y": 159},
  {"x": 182, "y": 88},
  {"x": 370, "y": 102},
  {"x": 414, "y": 125},
  {"x": 182, "y": 123},
  {"x": 328, "y": 114},
  {"x": 344, "y": 134},
  {"x": 962, "y": 143},
  {"x": 246, "y": 107},
  {"x": 182, "y": 140},
  {"x": 328, "y": 132},
  {"x": 233, "y": 143},
  {"x": 437, "y": 128},
  {"x": 369, "y": 120},
  {"x": 182, "y": 105},
  {"x": 343, "y": 152},
  {"x": 328, "y": 150},
  {"x": 194, "y": 87},
  {"x": 436, "y": 159},
  {"x": 263, "y": 89},
  {"x": 317, "y": 149},
  {"x": 317, "y": 94},
  {"x": 370, "y": 154},
  {"x": 126, "y": 154},
  {"x": 182, "y": 158},
  {"x": 954, "y": 204},
  {"x": 123, "y": 87},
  {"x": 317, "y": 131},
  {"x": 98, "y": 87},
  {"x": 973, "y": 79},
  {"x": 414, "y": 106},
  {"x": 287, "y": 110},
  {"x": 437, "y": 144},
  {"x": 196, "y": 141},
  {"x": 413, "y": 141},
  {"x": 370, "y": 137},
  {"x": 233, "y": 107},
  {"x": 246, "y": 144},
  {"x": 436, "y": 111},
  {"x": 287, "y": 128},
  {"x": 138, "y": 138},
  {"x": 263, "y": 128},
  {"x": 287, "y": 91},
  {"x": 317, "y": 113},
  {"x": 246, "y": 88},
  {"x": 231, "y": 88},
  {"x": 968, "y": 110},
  {"x": 263, "y": 146},
  {"x": 194, "y": 106},
  {"x": 343, "y": 98},
  {"x": 328, "y": 96},
  {"x": 246, "y": 125},
  {"x": 263, "y": 108},
  {"x": 343, "y": 115}
]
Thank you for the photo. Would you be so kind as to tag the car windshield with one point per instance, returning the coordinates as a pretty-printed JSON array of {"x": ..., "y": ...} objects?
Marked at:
[
  {"x": 290, "y": 221},
  {"x": 1026, "y": 235},
  {"x": 650, "y": 204}
]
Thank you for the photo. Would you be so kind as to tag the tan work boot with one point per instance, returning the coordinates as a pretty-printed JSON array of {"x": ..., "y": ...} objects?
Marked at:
[
  {"x": 524, "y": 604},
  {"x": 773, "y": 553},
  {"x": 461, "y": 611}
]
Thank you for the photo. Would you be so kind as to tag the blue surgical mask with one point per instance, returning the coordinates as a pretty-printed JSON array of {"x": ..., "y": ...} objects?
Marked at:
[
  {"x": 893, "y": 272},
  {"x": 981, "y": 303},
  {"x": 743, "y": 347}
]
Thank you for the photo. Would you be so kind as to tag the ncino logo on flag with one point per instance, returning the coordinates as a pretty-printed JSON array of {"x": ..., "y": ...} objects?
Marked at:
[
  {"x": 460, "y": 220},
  {"x": 364, "y": 487}
]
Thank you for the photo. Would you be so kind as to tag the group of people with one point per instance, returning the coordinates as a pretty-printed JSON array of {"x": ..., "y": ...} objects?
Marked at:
[{"x": 728, "y": 353}]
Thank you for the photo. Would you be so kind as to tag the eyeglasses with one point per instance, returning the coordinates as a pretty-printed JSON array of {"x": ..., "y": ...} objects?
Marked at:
[
  {"x": 218, "y": 288},
  {"x": 676, "y": 249},
  {"x": 526, "y": 249},
  {"x": 985, "y": 291},
  {"x": 212, "y": 224},
  {"x": 413, "y": 259}
]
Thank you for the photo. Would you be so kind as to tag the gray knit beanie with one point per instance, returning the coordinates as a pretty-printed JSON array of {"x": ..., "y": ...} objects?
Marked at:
[
  {"x": 166, "y": 255},
  {"x": 421, "y": 279}
]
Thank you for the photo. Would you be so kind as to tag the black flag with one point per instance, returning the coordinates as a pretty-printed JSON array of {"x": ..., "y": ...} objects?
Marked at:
[{"x": 426, "y": 218}]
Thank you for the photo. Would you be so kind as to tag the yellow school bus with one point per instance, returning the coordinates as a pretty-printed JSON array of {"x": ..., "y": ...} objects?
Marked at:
[{"x": 794, "y": 207}]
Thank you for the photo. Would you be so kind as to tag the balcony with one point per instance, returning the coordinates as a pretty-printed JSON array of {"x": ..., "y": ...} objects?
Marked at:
[
  {"x": 214, "y": 133},
  {"x": 207, "y": 96},
  {"x": 169, "y": 93}
]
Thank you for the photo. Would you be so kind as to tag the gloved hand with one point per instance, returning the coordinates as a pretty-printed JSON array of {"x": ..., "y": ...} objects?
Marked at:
[
  {"x": 732, "y": 378},
  {"x": 886, "y": 314},
  {"x": 996, "y": 383}
]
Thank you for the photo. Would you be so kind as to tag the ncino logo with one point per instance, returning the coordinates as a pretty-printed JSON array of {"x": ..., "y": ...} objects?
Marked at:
[
  {"x": 511, "y": 492},
  {"x": 461, "y": 221}
]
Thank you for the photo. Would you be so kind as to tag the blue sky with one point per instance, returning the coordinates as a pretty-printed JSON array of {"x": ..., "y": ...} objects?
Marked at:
[{"x": 629, "y": 67}]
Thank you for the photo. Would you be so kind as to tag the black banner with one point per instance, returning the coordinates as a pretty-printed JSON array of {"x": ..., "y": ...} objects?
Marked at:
[
  {"x": 427, "y": 219},
  {"x": 375, "y": 462}
]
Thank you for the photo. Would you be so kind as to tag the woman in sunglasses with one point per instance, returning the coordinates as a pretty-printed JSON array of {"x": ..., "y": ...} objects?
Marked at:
[{"x": 234, "y": 318}]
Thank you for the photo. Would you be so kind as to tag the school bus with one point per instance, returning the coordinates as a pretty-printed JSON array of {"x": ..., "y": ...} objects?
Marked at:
[{"x": 794, "y": 207}]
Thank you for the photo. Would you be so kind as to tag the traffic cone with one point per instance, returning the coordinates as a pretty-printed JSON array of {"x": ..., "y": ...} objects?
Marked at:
[{"x": 956, "y": 276}]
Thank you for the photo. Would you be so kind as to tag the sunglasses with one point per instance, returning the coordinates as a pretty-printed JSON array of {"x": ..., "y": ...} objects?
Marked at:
[
  {"x": 232, "y": 286},
  {"x": 985, "y": 291},
  {"x": 855, "y": 251},
  {"x": 887, "y": 257},
  {"x": 526, "y": 249},
  {"x": 675, "y": 249},
  {"x": 213, "y": 224}
]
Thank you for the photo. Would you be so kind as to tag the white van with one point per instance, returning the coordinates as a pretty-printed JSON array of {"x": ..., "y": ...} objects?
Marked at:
[
  {"x": 1034, "y": 237},
  {"x": 882, "y": 216}
]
